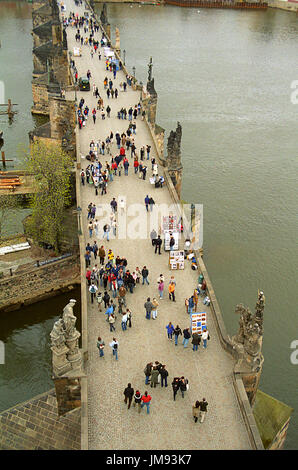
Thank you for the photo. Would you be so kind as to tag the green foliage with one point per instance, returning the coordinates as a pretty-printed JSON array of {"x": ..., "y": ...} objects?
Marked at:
[
  {"x": 9, "y": 206},
  {"x": 51, "y": 167}
]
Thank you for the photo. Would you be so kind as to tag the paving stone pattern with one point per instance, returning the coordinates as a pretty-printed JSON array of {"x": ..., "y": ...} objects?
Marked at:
[
  {"x": 170, "y": 424},
  {"x": 35, "y": 425}
]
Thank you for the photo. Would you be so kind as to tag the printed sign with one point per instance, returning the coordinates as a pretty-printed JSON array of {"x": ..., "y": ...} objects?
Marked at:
[{"x": 198, "y": 322}]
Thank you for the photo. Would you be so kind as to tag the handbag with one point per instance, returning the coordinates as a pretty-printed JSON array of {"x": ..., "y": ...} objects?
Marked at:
[{"x": 187, "y": 386}]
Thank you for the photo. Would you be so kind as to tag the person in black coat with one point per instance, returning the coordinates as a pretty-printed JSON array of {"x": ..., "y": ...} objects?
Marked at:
[
  {"x": 128, "y": 395},
  {"x": 163, "y": 374},
  {"x": 183, "y": 385},
  {"x": 158, "y": 243},
  {"x": 175, "y": 386}
]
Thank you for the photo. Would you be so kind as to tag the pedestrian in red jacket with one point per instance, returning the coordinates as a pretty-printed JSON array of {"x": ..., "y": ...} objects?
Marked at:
[{"x": 146, "y": 400}]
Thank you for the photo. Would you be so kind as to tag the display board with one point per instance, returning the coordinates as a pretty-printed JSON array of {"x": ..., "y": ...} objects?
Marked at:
[
  {"x": 198, "y": 322},
  {"x": 176, "y": 259},
  {"x": 169, "y": 223}
]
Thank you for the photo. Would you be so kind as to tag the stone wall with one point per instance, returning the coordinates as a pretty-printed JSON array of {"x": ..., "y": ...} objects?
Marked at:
[
  {"x": 282, "y": 5},
  {"x": 36, "y": 283}
]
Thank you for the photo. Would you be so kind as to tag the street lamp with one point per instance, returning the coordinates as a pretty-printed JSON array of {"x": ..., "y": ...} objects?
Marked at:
[
  {"x": 134, "y": 74},
  {"x": 124, "y": 52},
  {"x": 141, "y": 85}
]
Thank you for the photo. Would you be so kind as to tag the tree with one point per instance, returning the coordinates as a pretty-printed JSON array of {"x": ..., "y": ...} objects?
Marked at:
[
  {"x": 51, "y": 167},
  {"x": 9, "y": 206}
]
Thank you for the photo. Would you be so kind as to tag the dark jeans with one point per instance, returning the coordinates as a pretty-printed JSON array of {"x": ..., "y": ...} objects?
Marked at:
[
  {"x": 129, "y": 399},
  {"x": 172, "y": 296},
  {"x": 164, "y": 380}
]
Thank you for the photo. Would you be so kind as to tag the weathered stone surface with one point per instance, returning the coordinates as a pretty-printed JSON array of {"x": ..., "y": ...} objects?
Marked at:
[
  {"x": 35, "y": 425},
  {"x": 35, "y": 282}
]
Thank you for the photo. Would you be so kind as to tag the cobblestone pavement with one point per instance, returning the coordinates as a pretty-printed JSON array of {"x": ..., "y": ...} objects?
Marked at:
[{"x": 170, "y": 424}]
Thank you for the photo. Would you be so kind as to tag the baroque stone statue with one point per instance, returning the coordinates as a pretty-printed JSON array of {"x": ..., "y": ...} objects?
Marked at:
[
  {"x": 248, "y": 340},
  {"x": 117, "y": 42},
  {"x": 57, "y": 334},
  {"x": 69, "y": 318},
  {"x": 66, "y": 355}
]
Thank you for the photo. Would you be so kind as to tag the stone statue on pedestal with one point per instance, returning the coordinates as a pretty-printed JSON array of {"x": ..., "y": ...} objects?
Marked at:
[
  {"x": 103, "y": 15},
  {"x": 117, "y": 42},
  {"x": 248, "y": 341},
  {"x": 66, "y": 355},
  {"x": 174, "y": 158}
]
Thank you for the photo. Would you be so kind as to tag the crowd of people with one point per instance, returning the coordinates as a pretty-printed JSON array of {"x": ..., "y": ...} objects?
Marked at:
[{"x": 109, "y": 278}]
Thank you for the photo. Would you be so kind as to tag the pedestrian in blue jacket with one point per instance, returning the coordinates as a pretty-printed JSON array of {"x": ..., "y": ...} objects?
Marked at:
[{"x": 170, "y": 329}]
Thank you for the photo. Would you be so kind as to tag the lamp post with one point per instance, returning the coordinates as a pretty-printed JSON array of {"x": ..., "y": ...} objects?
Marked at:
[
  {"x": 141, "y": 92},
  {"x": 124, "y": 52},
  {"x": 134, "y": 74}
]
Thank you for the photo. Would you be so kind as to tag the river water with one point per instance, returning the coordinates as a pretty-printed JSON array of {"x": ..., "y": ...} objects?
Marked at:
[{"x": 226, "y": 76}]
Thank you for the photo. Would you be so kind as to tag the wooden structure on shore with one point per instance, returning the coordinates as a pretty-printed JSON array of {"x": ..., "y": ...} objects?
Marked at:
[
  {"x": 218, "y": 4},
  {"x": 9, "y": 110},
  {"x": 17, "y": 182}
]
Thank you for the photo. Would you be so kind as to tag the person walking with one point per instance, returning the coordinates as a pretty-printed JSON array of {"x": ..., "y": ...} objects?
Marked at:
[
  {"x": 203, "y": 409},
  {"x": 106, "y": 231},
  {"x": 205, "y": 337},
  {"x": 154, "y": 310},
  {"x": 172, "y": 286},
  {"x": 115, "y": 345},
  {"x": 183, "y": 385},
  {"x": 101, "y": 254},
  {"x": 154, "y": 376},
  {"x": 106, "y": 299},
  {"x": 177, "y": 332},
  {"x": 161, "y": 286},
  {"x": 137, "y": 400},
  {"x": 122, "y": 294},
  {"x": 124, "y": 321},
  {"x": 146, "y": 400},
  {"x": 147, "y": 202},
  {"x": 111, "y": 320},
  {"x": 186, "y": 337},
  {"x": 90, "y": 228},
  {"x": 196, "y": 341},
  {"x": 99, "y": 300},
  {"x": 100, "y": 344},
  {"x": 149, "y": 307},
  {"x": 175, "y": 386},
  {"x": 164, "y": 376},
  {"x": 196, "y": 410},
  {"x": 170, "y": 329},
  {"x": 147, "y": 372},
  {"x": 128, "y": 395},
  {"x": 129, "y": 316},
  {"x": 145, "y": 274},
  {"x": 191, "y": 304},
  {"x": 157, "y": 244},
  {"x": 92, "y": 290}
]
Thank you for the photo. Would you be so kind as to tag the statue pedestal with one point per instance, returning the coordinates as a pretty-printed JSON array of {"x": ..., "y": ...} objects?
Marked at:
[
  {"x": 74, "y": 356},
  {"x": 60, "y": 362}
]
